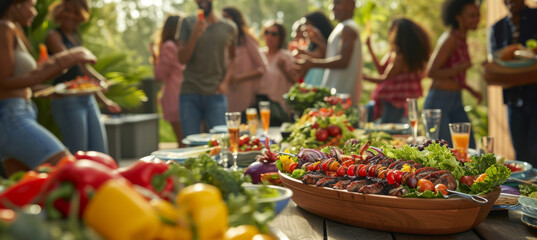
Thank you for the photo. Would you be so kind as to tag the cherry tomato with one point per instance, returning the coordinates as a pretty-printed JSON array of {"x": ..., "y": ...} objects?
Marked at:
[
  {"x": 398, "y": 176},
  {"x": 441, "y": 188},
  {"x": 351, "y": 171},
  {"x": 313, "y": 167},
  {"x": 334, "y": 130},
  {"x": 321, "y": 135},
  {"x": 244, "y": 139},
  {"x": 468, "y": 180},
  {"x": 372, "y": 171},
  {"x": 255, "y": 140},
  {"x": 315, "y": 125},
  {"x": 325, "y": 165},
  {"x": 292, "y": 167},
  {"x": 341, "y": 171},
  {"x": 390, "y": 177},
  {"x": 362, "y": 172},
  {"x": 481, "y": 177},
  {"x": 424, "y": 184}
]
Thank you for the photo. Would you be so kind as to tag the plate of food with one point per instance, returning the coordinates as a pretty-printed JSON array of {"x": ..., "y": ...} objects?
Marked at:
[
  {"x": 518, "y": 168},
  {"x": 510, "y": 56},
  {"x": 199, "y": 139},
  {"x": 391, "y": 128},
  {"x": 79, "y": 86}
]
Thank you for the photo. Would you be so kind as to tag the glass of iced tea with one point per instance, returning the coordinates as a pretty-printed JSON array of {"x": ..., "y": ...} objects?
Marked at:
[
  {"x": 251, "y": 119},
  {"x": 412, "y": 104},
  {"x": 460, "y": 136},
  {"x": 264, "y": 111},
  {"x": 233, "y": 122}
]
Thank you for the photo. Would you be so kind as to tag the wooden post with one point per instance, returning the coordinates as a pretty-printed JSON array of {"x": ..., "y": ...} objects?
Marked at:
[{"x": 497, "y": 111}]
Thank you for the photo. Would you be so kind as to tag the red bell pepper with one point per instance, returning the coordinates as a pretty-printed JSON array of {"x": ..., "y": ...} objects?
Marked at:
[
  {"x": 24, "y": 191},
  {"x": 150, "y": 174},
  {"x": 99, "y": 157},
  {"x": 82, "y": 176}
]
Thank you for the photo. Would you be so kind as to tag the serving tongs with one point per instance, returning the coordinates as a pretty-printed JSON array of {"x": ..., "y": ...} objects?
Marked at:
[{"x": 477, "y": 199}]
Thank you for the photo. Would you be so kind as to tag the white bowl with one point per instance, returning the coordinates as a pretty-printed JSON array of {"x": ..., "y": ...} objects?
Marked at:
[{"x": 281, "y": 201}]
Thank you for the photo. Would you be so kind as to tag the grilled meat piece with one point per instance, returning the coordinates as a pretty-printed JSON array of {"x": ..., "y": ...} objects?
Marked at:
[
  {"x": 354, "y": 186},
  {"x": 392, "y": 166},
  {"x": 435, "y": 175},
  {"x": 375, "y": 188},
  {"x": 343, "y": 184},
  {"x": 399, "y": 192},
  {"x": 312, "y": 178},
  {"x": 447, "y": 179},
  {"x": 417, "y": 165},
  {"x": 422, "y": 172},
  {"x": 327, "y": 182}
]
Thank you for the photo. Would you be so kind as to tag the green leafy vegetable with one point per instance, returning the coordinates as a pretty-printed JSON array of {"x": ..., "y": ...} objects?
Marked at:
[
  {"x": 496, "y": 175},
  {"x": 298, "y": 173},
  {"x": 527, "y": 189},
  {"x": 479, "y": 164}
]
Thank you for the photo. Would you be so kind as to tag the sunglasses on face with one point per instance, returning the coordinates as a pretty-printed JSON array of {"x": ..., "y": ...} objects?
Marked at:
[{"x": 274, "y": 34}]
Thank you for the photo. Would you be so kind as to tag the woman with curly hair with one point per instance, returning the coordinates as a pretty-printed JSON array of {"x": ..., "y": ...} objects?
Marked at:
[
  {"x": 448, "y": 64},
  {"x": 401, "y": 70}
]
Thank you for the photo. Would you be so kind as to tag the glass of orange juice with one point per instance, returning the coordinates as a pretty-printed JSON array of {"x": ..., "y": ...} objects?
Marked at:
[
  {"x": 233, "y": 122},
  {"x": 460, "y": 136},
  {"x": 264, "y": 111},
  {"x": 251, "y": 119}
]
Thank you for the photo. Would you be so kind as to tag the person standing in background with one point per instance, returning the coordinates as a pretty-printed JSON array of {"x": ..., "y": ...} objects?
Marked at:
[
  {"x": 448, "y": 64},
  {"x": 78, "y": 117},
  {"x": 24, "y": 144},
  {"x": 518, "y": 26},
  {"x": 250, "y": 65},
  {"x": 318, "y": 28},
  {"x": 343, "y": 59},
  {"x": 205, "y": 41},
  {"x": 168, "y": 70},
  {"x": 280, "y": 75},
  {"x": 401, "y": 70}
]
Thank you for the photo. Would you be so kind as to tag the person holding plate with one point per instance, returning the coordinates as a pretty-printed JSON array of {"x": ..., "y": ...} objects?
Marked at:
[
  {"x": 24, "y": 144},
  {"x": 519, "y": 27},
  {"x": 76, "y": 116}
]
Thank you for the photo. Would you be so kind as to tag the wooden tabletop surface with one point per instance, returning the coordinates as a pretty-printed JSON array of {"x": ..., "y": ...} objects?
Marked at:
[{"x": 295, "y": 223}]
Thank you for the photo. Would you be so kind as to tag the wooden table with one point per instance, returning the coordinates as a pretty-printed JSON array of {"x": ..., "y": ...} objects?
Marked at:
[{"x": 294, "y": 223}]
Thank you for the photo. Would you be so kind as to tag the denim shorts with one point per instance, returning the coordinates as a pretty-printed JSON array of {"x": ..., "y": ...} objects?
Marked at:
[{"x": 21, "y": 137}]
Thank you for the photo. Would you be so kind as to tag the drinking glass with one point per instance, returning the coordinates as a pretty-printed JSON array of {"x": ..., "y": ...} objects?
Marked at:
[
  {"x": 251, "y": 117},
  {"x": 233, "y": 121},
  {"x": 264, "y": 111},
  {"x": 412, "y": 104},
  {"x": 223, "y": 142},
  {"x": 460, "y": 136},
  {"x": 431, "y": 120},
  {"x": 487, "y": 144}
]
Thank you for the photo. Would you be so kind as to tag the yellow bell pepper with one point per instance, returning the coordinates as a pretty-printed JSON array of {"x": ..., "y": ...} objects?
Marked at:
[
  {"x": 204, "y": 204},
  {"x": 174, "y": 223},
  {"x": 242, "y": 232},
  {"x": 117, "y": 211}
]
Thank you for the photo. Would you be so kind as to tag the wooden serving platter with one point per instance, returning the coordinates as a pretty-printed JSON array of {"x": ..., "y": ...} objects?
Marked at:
[{"x": 390, "y": 213}]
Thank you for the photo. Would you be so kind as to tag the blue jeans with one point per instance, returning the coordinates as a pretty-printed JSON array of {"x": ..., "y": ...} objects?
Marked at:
[
  {"x": 523, "y": 127},
  {"x": 194, "y": 108},
  {"x": 450, "y": 102},
  {"x": 78, "y": 118},
  {"x": 390, "y": 114},
  {"x": 21, "y": 137}
]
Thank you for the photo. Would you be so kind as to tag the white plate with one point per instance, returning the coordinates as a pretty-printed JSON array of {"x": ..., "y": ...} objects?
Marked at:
[
  {"x": 219, "y": 129},
  {"x": 390, "y": 128},
  {"x": 176, "y": 154},
  {"x": 199, "y": 139},
  {"x": 62, "y": 89},
  {"x": 526, "y": 168}
]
